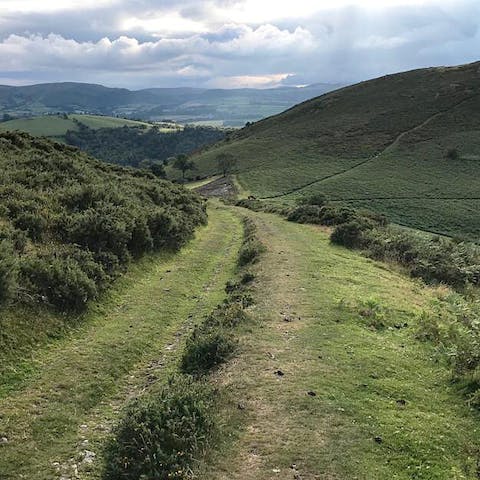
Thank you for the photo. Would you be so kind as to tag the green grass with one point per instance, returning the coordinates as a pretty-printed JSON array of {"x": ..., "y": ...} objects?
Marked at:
[
  {"x": 357, "y": 373},
  {"x": 71, "y": 390},
  {"x": 56, "y": 126},
  {"x": 380, "y": 144}
]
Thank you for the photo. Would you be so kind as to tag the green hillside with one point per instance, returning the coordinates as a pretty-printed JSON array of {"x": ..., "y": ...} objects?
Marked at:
[
  {"x": 56, "y": 126},
  {"x": 70, "y": 225},
  {"x": 407, "y": 145}
]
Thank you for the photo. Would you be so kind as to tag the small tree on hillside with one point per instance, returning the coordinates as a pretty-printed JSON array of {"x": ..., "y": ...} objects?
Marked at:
[
  {"x": 226, "y": 163},
  {"x": 183, "y": 164}
]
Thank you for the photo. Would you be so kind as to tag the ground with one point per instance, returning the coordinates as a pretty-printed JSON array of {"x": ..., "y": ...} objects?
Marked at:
[{"x": 314, "y": 392}]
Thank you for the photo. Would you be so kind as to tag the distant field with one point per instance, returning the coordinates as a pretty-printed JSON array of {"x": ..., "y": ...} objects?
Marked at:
[
  {"x": 56, "y": 126},
  {"x": 381, "y": 144}
]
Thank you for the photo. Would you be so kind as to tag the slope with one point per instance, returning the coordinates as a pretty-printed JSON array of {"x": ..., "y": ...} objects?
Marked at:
[
  {"x": 56, "y": 126},
  {"x": 318, "y": 393},
  {"x": 58, "y": 403},
  {"x": 383, "y": 141}
]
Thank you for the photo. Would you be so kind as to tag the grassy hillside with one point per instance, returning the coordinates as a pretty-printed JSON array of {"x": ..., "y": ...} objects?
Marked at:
[
  {"x": 70, "y": 225},
  {"x": 353, "y": 399},
  {"x": 383, "y": 144},
  {"x": 56, "y": 126}
]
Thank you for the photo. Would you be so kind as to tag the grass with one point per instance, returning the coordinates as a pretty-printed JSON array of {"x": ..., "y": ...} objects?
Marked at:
[
  {"x": 56, "y": 126},
  {"x": 380, "y": 144},
  {"x": 71, "y": 390},
  {"x": 354, "y": 401}
]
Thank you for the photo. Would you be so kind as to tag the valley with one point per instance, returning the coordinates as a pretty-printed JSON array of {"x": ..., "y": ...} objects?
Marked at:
[{"x": 299, "y": 302}]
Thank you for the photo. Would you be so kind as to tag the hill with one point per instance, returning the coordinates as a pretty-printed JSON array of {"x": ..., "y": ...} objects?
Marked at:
[
  {"x": 70, "y": 225},
  {"x": 406, "y": 145},
  {"x": 56, "y": 126},
  {"x": 233, "y": 107}
]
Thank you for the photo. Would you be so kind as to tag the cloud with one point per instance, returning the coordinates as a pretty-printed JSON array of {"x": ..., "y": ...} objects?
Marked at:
[{"x": 142, "y": 43}]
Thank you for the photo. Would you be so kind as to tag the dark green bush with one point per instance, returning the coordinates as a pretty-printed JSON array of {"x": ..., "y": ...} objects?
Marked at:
[
  {"x": 317, "y": 199},
  {"x": 64, "y": 282},
  {"x": 8, "y": 272},
  {"x": 33, "y": 224},
  {"x": 59, "y": 197},
  {"x": 349, "y": 234},
  {"x": 208, "y": 347},
  {"x": 305, "y": 214},
  {"x": 251, "y": 247},
  {"x": 229, "y": 314},
  {"x": 162, "y": 435}
]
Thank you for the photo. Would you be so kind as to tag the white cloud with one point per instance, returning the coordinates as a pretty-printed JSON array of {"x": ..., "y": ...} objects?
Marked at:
[
  {"x": 29, "y": 6},
  {"x": 231, "y": 42},
  {"x": 249, "y": 81}
]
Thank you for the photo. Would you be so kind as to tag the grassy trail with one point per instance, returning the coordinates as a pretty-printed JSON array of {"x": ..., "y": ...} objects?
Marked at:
[
  {"x": 64, "y": 407},
  {"x": 350, "y": 402}
]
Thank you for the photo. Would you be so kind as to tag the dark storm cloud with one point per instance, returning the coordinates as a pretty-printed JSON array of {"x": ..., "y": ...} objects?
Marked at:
[{"x": 152, "y": 43}]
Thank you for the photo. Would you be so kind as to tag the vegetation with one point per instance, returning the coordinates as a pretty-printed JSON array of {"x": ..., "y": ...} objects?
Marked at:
[
  {"x": 183, "y": 164},
  {"x": 380, "y": 145},
  {"x": 85, "y": 373},
  {"x": 75, "y": 223},
  {"x": 162, "y": 434},
  {"x": 374, "y": 401},
  {"x": 226, "y": 163},
  {"x": 133, "y": 146},
  {"x": 57, "y": 126}
]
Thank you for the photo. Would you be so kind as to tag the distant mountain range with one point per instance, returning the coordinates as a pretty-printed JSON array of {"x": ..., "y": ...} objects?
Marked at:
[{"x": 232, "y": 107}]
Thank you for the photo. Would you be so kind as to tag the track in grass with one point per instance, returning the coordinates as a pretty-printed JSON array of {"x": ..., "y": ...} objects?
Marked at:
[
  {"x": 322, "y": 395},
  {"x": 72, "y": 393}
]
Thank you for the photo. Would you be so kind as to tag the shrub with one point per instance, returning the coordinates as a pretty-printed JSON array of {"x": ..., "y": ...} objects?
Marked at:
[
  {"x": 317, "y": 199},
  {"x": 33, "y": 224},
  {"x": 251, "y": 247},
  {"x": 305, "y": 214},
  {"x": 62, "y": 281},
  {"x": 349, "y": 234},
  {"x": 8, "y": 272},
  {"x": 227, "y": 315},
  {"x": 208, "y": 347},
  {"x": 161, "y": 435}
]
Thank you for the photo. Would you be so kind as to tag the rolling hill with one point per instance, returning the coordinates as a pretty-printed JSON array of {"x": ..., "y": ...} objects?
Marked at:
[
  {"x": 407, "y": 145},
  {"x": 56, "y": 126},
  {"x": 232, "y": 107}
]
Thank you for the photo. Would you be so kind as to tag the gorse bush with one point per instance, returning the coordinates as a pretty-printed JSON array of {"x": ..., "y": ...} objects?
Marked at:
[
  {"x": 317, "y": 199},
  {"x": 53, "y": 197},
  {"x": 251, "y": 247},
  {"x": 67, "y": 280},
  {"x": 162, "y": 434},
  {"x": 208, "y": 347},
  {"x": 8, "y": 272}
]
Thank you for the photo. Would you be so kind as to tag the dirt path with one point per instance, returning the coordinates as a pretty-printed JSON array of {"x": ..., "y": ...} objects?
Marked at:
[
  {"x": 55, "y": 424},
  {"x": 319, "y": 395}
]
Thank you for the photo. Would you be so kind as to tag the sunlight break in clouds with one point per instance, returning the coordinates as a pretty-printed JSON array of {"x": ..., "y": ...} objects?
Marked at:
[{"x": 147, "y": 43}]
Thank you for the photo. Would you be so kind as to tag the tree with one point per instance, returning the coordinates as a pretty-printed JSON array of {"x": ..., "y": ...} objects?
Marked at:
[
  {"x": 226, "y": 163},
  {"x": 183, "y": 164}
]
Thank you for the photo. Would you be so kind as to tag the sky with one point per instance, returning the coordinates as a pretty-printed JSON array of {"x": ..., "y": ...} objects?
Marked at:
[{"x": 230, "y": 43}]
